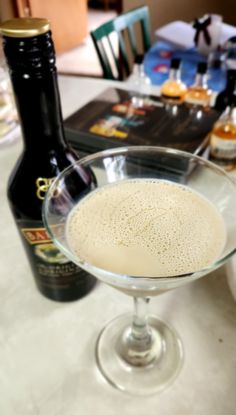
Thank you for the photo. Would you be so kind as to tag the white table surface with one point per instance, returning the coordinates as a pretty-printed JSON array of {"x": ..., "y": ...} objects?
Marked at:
[{"x": 47, "y": 363}]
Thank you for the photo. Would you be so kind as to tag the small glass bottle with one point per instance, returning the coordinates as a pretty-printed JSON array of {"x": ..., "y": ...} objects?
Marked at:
[
  {"x": 223, "y": 138},
  {"x": 199, "y": 94},
  {"x": 224, "y": 97},
  {"x": 173, "y": 90},
  {"x": 139, "y": 82}
]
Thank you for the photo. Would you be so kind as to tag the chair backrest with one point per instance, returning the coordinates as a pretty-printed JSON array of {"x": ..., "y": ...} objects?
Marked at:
[{"x": 111, "y": 58}]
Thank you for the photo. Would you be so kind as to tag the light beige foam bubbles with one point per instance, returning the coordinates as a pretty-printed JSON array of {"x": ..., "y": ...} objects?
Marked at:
[{"x": 146, "y": 228}]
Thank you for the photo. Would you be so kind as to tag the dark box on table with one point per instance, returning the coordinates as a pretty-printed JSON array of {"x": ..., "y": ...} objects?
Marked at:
[{"x": 110, "y": 121}]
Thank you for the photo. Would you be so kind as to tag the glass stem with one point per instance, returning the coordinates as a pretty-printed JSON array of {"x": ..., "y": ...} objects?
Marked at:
[
  {"x": 139, "y": 328},
  {"x": 139, "y": 344}
]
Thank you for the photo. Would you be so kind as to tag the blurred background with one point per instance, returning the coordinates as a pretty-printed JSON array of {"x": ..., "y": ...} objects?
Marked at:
[{"x": 72, "y": 20}]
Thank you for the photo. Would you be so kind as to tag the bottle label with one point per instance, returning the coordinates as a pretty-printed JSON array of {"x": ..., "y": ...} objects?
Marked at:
[
  {"x": 197, "y": 100},
  {"x": 223, "y": 149},
  {"x": 50, "y": 266}
]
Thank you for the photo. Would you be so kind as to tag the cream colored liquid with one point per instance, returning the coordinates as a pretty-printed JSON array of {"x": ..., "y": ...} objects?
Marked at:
[{"x": 144, "y": 227}]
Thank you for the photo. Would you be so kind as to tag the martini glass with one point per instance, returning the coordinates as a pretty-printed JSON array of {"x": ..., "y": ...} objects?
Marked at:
[{"x": 138, "y": 353}]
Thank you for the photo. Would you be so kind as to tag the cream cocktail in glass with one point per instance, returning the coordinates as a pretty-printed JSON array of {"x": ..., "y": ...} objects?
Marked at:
[{"x": 151, "y": 220}]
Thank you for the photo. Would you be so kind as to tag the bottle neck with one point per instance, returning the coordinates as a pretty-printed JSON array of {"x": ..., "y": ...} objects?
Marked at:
[
  {"x": 230, "y": 84},
  {"x": 201, "y": 80},
  {"x": 33, "y": 74},
  {"x": 39, "y": 109},
  {"x": 232, "y": 113},
  {"x": 138, "y": 70},
  {"x": 174, "y": 74},
  {"x": 229, "y": 114}
]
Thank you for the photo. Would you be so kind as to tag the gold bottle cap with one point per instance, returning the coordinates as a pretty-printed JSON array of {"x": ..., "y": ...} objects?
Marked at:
[{"x": 24, "y": 27}]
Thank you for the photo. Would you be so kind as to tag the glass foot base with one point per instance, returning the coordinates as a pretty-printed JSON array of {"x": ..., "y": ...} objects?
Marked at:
[{"x": 137, "y": 378}]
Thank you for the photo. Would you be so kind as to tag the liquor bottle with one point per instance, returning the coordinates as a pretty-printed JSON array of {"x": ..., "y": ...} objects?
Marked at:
[
  {"x": 224, "y": 97},
  {"x": 139, "y": 83},
  {"x": 30, "y": 56},
  {"x": 198, "y": 94},
  {"x": 173, "y": 89},
  {"x": 223, "y": 138}
]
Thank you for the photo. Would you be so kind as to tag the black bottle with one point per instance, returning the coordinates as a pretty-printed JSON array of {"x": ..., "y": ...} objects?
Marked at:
[
  {"x": 224, "y": 97},
  {"x": 30, "y": 55}
]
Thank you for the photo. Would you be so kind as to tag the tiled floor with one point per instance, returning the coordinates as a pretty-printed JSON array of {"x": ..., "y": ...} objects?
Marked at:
[{"x": 83, "y": 59}]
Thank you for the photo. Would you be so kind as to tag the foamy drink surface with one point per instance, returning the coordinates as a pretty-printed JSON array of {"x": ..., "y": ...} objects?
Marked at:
[{"x": 144, "y": 227}]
